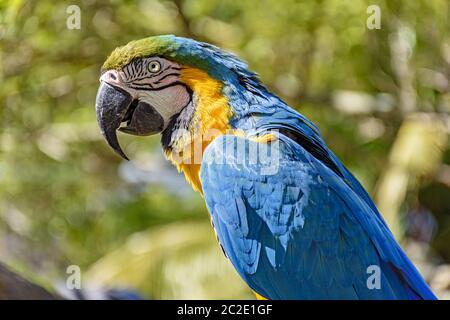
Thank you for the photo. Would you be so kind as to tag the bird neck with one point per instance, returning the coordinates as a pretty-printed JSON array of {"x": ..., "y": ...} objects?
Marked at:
[{"x": 205, "y": 118}]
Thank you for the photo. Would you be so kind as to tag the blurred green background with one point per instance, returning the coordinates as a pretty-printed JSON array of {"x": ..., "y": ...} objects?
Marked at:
[{"x": 381, "y": 98}]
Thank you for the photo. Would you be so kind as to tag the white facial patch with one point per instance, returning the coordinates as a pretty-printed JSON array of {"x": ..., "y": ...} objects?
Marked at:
[
  {"x": 168, "y": 101},
  {"x": 156, "y": 81}
]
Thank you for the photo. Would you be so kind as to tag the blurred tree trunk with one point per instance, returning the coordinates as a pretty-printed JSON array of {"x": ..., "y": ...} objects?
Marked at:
[
  {"x": 416, "y": 152},
  {"x": 15, "y": 287}
]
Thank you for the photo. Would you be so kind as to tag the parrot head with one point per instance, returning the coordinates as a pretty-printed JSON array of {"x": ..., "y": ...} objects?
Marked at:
[{"x": 162, "y": 83}]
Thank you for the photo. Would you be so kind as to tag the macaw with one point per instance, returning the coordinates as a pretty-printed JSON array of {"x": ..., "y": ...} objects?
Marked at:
[{"x": 295, "y": 223}]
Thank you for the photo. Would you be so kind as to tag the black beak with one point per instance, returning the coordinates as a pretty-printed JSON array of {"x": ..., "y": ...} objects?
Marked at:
[
  {"x": 114, "y": 106},
  {"x": 111, "y": 105}
]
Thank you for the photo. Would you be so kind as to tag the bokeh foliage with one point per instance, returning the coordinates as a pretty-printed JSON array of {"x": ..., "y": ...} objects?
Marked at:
[{"x": 65, "y": 198}]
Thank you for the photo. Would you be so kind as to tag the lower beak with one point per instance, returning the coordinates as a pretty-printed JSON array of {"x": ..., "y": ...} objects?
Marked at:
[{"x": 111, "y": 105}]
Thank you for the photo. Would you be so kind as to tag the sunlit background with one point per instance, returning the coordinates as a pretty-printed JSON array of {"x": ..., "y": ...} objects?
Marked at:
[{"x": 380, "y": 97}]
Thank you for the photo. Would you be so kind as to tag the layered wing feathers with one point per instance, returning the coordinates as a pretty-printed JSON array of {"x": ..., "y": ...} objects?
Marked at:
[{"x": 300, "y": 232}]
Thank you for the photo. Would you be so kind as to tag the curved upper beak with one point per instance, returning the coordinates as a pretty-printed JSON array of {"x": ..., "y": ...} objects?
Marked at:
[
  {"x": 115, "y": 105},
  {"x": 111, "y": 106}
]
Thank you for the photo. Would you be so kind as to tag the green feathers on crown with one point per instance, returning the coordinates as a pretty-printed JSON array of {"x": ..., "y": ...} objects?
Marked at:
[
  {"x": 219, "y": 64},
  {"x": 163, "y": 46}
]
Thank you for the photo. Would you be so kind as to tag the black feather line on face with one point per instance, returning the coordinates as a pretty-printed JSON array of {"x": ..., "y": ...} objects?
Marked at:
[
  {"x": 137, "y": 70},
  {"x": 144, "y": 74},
  {"x": 165, "y": 76},
  {"x": 160, "y": 88},
  {"x": 125, "y": 70}
]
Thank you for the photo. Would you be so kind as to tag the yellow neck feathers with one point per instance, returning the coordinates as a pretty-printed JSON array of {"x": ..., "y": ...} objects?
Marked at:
[{"x": 210, "y": 120}]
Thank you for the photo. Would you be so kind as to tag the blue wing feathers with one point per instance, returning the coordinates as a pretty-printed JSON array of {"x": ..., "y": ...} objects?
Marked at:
[{"x": 302, "y": 233}]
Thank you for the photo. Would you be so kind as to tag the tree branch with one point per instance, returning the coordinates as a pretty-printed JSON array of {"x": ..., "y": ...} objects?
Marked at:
[{"x": 14, "y": 287}]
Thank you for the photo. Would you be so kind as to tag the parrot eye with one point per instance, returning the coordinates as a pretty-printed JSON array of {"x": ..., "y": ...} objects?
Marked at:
[{"x": 154, "y": 66}]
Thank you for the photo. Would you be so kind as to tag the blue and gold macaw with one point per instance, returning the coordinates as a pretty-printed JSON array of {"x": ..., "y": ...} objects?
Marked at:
[{"x": 294, "y": 223}]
